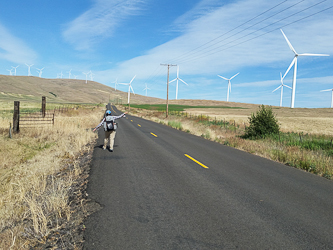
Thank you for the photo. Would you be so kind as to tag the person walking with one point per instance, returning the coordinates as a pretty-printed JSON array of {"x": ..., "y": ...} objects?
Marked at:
[{"x": 110, "y": 127}]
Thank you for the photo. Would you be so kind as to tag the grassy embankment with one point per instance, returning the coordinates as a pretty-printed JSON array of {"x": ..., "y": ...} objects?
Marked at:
[
  {"x": 34, "y": 192},
  {"x": 310, "y": 152}
]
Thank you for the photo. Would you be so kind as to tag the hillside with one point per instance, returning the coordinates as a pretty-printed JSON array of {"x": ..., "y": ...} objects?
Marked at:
[{"x": 30, "y": 88}]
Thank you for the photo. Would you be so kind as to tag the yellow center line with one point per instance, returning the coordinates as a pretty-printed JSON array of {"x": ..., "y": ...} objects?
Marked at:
[
  {"x": 153, "y": 134},
  {"x": 131, "y": 120},
  {"x": 139, "y": 125},
  {"x": 202, "y": 165}
]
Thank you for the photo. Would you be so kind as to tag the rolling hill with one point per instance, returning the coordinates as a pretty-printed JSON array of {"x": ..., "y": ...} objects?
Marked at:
[{"x": 30, "y": 88}]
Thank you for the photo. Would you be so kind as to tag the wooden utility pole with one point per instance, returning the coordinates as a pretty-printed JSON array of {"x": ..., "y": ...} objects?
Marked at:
[
  {"x": 43, "y": 106},
  {"x": 16, "y": 117},
  {"x": 167, "y": 101}
]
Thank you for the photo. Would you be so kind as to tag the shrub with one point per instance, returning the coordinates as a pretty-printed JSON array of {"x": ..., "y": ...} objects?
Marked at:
[{"x": 262, "y": 124}]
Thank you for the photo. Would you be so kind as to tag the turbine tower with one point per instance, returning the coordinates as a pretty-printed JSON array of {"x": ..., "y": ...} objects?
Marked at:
[
  {"x": 146, "y": 88},
  {"x": 281, "y": 86},
  {"x": 86, "y": 75},
  {"x": 15, "y": 69},
  {"x": 229, "y": 84},
  {"x": 294, "y": 63},
  {"x": 177, "y": 81},
  {"x": 331, "y": 97},
  {"x": 40, "y": 71},
  {"x": 69, "y": 74},
  {"x": 129, "y": 89},
  {"x": 115, "y": 84},
  {"x": 29, "y": 72}
]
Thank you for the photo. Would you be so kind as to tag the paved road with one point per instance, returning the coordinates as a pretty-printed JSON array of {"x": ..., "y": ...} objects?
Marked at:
[{"x": 154, "y": 196}]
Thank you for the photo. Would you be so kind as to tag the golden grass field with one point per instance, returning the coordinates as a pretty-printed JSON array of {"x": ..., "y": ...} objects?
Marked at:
[{"x": 32, "y": 195}]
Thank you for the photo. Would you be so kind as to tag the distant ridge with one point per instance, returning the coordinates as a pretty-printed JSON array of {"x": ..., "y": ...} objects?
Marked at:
[{"x": 31, "y": 88}]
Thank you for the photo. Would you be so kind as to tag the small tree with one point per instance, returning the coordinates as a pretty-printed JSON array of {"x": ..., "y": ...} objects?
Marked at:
[{"x": 262, "y": 124}]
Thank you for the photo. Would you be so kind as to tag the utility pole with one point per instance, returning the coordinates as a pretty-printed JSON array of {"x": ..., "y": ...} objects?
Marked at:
[{"x": 167, "y": 102}]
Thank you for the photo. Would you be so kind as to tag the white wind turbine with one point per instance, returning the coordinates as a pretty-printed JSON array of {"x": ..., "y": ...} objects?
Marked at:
[
  {"x": 15, "y": 69},
  {"x": 75, "y": 76},
  {"x": 10, "y": 71},
  {"x": 91, "y": 75},
  {"x": 332, "y": 95},
  {"x": 146, "y": 88},
  {"x": 129, "y": 89},
  {"x": 40, "y": 71},
  {"x": 177, "y": 81},
  {"x": 281, "y": 86},
  {"x": 86, "y": 75},
  {"x": 229, "y": 84},
  {"x": 69, "y": 74},
  {"x": 29, "y": 72},
  {"x": 115, "y": 84},
  {"x": 294, "y": 62}
]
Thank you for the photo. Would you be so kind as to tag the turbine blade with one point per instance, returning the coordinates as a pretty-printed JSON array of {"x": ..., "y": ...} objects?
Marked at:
[
  {"x": 132, "y": 89},
  {"x": 292, "y": 63},
  {"x": 234, "y": 76},
  {"x": 290, "y": 46},
  {"x": 173, "y": 80},
  {"x": 287, "y": 86},
  {"x": 132, "y": 79},
  {"x": 276, "y": 88},
  {"x": 326, "y": 90},
  {"x": 183, "y": 81},
  {"x": 223, "y": 77},
  {"x": 308, "y": 54}
]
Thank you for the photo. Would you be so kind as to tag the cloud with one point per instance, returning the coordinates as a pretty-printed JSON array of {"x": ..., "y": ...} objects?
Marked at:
[
  {"x": 256, "y": 43},
  {"x": 99, "y": 22},
  {"x": 14, "y": 49}
]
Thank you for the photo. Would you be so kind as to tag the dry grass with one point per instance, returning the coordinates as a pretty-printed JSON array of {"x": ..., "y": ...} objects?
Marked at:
[{"x": 31, "y": 186}]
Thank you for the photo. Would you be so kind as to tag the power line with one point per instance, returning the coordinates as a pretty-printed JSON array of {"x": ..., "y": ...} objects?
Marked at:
[
  {"x": 230, "y": 30},
  {"x": 248, "y": 27},
  {"x": 214, "y": 50}
]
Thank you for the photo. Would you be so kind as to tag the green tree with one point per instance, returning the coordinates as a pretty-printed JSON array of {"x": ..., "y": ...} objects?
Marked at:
[{"x": 262, "y": 124}]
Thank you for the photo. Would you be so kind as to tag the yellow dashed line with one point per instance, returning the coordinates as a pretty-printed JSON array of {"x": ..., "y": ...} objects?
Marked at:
[
  {"x": 153, "y": 134},
  {"x": 139, "y": 125},
  {"x": 202, "y": 165}
]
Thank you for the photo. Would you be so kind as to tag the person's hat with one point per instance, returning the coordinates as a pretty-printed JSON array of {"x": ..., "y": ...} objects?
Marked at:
[{"x": 108, "y": 112}]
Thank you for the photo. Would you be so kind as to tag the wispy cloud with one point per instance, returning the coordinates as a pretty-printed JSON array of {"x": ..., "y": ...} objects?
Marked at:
[
  {"x": 100, "y": 21},
  {"x": 256, "y": 43},
  {"x": 13, "y": 49}
]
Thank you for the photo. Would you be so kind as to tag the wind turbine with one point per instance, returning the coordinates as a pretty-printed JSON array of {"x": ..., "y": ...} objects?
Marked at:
[
  {"x": 115, "y": 84},
  {"x": 229, "y": 84},
  {"x": 29, "y": 66},
  {"x": 40, "y": 71},
  {"x": 146, "y": 88},
  {"x": 15, "y": 69},
  {"x": 86, "y": 75},
  {"x": 129, "y": 89},
  {"x": 69, "y": 74},
  {"x": 177, "y": 81},
  {"x": 10, "y": 71},
  {"x": 281, "y": 86},
  {"x": 332, "y": 95},
  {"x": 294, "y": 62}
]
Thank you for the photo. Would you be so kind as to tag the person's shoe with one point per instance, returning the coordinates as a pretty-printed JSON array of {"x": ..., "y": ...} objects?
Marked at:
[
  {"x": 104, "y": 148},
  {"x": 111, "y": 150}
]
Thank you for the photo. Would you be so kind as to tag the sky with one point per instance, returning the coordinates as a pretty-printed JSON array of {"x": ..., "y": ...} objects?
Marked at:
[{"x": 119, "y": 39}]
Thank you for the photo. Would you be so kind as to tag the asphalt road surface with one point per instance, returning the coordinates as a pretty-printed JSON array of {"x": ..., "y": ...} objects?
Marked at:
[{"x": 166, "y": 189}]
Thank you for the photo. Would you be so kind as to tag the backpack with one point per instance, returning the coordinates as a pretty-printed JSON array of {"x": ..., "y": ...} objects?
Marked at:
[{"x": 109, "y": 123}]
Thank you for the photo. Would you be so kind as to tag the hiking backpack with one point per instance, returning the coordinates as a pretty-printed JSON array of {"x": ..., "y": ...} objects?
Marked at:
[{"x": 109, "y": 123}]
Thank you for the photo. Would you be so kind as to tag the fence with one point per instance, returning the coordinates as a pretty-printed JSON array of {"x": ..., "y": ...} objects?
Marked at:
[{"x": 36, "y": 119}]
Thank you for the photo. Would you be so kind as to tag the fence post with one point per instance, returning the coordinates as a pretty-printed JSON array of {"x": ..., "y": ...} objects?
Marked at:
[
  {"x": 43, "y": 106},
  {"x": 16, "y": 117}
]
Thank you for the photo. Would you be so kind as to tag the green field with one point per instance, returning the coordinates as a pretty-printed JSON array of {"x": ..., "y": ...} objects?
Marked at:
[{"x": 175, "y": 107}]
